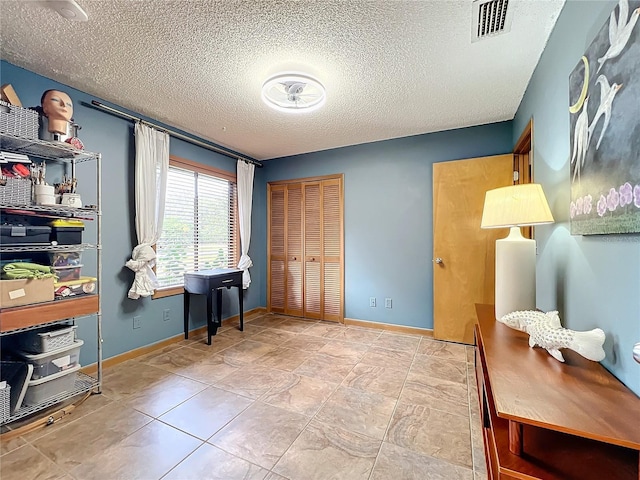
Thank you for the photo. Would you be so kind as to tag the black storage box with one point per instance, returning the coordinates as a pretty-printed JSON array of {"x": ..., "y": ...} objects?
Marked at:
[
  {"x": 67, "y": 232},
  {"x": 21, "y": 234}
]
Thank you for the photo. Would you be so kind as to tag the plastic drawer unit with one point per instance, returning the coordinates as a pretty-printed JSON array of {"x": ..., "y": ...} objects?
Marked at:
[
  {"x": 53, "y": 362},
  {"x": 45, "y": 388}
]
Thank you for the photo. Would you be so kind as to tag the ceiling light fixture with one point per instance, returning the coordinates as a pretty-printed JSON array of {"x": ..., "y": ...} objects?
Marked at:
[
  {"x": 68, "y": 9},
  {"x": 293, "y": 92}
]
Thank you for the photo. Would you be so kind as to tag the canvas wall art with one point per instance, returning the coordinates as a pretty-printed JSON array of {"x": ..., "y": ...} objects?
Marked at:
[{"x": 604, "y": 106}]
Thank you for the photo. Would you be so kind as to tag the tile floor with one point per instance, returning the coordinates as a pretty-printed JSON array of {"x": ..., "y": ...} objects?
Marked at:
[{"x": 285, "y": 399}]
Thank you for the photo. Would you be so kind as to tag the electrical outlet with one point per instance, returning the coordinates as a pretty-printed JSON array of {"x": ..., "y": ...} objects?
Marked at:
[
  {"x": 372, "y": 301},
  {"x": 387, "y": 303},
  {"x": 136, "y": 321},
  {"x": 166, "y": 315}
]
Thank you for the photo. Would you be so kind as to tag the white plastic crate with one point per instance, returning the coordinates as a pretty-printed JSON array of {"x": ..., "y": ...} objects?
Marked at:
[
  {"x": 5, "y": 402},
  {"x": 38, "y": 341}
]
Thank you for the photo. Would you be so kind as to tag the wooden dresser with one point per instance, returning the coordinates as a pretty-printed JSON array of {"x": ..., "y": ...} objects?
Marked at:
[{"x": 551, "y": 420}]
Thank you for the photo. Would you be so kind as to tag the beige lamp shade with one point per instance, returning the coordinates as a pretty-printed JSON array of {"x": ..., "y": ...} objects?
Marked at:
[
  {"x": 513, "y": 207},
  {"x": 516, "y": 205}
]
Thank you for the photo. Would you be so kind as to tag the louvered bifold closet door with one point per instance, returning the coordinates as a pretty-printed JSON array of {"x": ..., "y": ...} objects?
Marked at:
[
  {"x": 312, "y": 251},
  {"x": 332, "y": 250},
  {"x": 277, "y": 250},
  {"x": 294, "y": 253}
]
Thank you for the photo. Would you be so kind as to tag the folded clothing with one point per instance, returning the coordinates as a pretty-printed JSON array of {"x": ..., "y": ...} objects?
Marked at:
[{"x": 19, "y": 270}]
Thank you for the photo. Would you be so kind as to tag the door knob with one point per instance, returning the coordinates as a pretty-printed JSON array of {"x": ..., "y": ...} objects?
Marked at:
[{"x": 438, "y": 260}]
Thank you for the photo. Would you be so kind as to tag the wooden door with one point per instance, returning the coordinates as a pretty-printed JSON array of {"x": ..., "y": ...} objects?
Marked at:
[
  {"x": 294, "y": 253},
  {"x": 466, "y": 274},
  {"x": 277, "y": 249},
  {"x": 332, "y": 251}
]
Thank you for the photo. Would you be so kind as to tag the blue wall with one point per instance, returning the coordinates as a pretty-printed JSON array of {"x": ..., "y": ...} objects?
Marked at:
[
  {"x": 592, "y": 280},
  {"x": 113, "y": 137},
  {"x": 388, "y": 214}
]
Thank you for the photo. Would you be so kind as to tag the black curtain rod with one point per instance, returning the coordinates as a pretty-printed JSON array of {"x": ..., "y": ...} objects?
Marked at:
[{"x": 173, "y": 133}]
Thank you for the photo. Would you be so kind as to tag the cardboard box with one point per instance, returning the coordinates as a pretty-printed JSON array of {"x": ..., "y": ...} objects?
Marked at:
[{"x": 14, "y": 293}]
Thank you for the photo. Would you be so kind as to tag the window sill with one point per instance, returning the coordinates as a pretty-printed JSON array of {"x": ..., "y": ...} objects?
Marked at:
[{"x": 167, "y": 292}]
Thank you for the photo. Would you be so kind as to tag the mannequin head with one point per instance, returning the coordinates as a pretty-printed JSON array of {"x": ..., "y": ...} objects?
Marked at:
[{"x": 58, "y": 108}]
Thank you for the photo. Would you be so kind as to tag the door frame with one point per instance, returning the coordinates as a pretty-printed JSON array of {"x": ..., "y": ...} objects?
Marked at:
[
  {"x": 523, "y": 164},
  {"x": 525, "y": 142}
]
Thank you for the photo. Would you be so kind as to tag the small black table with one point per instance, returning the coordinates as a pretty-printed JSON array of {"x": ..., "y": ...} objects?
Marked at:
[{"x": 204, "y": 282}]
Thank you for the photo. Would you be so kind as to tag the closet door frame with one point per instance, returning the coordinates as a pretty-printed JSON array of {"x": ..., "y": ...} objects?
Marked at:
[
  {"x": 329, "y": 312},
  {"x": 302, "y": 182},
  {"x": 270, "y": 256}
]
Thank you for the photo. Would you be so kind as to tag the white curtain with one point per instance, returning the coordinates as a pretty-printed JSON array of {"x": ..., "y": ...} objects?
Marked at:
[
  {"x": 152, "y": 165},
  {"x": 245, "y": 197}
]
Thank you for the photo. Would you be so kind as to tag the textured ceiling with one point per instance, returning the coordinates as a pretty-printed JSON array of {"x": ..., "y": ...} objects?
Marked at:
[{"x": 391, "y": 68}]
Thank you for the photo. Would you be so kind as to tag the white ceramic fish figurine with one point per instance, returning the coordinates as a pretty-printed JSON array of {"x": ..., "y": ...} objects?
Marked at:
[{"x": 546, "y": 331}]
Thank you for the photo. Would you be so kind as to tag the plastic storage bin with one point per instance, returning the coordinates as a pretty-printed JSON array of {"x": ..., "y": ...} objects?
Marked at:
[
  {"x": 53, "y": 362},
  {"x": 46, "y": 340},
  {"x": 21, "y": 234},
  {"x": 67, "y": 231},
  {"x": 65, "y": 274},
  {"x": 46, "y": 388},
  {"x": 65, "y": 259}
]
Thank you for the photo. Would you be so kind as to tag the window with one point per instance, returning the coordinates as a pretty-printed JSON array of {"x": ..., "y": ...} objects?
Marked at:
[{"x": 200, "y": 228}]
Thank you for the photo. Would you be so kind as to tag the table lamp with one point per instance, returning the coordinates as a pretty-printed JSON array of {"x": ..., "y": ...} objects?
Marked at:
[{"x": 513, "y": 207}]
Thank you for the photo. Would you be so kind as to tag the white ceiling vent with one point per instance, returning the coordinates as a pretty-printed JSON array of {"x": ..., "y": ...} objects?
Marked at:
[{"x": 490, "y": 18}]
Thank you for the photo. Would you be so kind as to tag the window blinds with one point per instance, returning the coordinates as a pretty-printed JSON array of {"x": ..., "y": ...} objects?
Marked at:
[{"x": 199, "y": 230}]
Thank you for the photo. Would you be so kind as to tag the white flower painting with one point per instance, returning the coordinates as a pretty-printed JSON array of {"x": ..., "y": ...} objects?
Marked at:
[{"x": 604, "y": 98}]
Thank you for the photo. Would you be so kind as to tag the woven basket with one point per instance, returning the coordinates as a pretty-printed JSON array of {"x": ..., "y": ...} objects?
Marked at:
[
  {"x": 22, "y": 122},
  {"x": 15, "y": 191}
]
